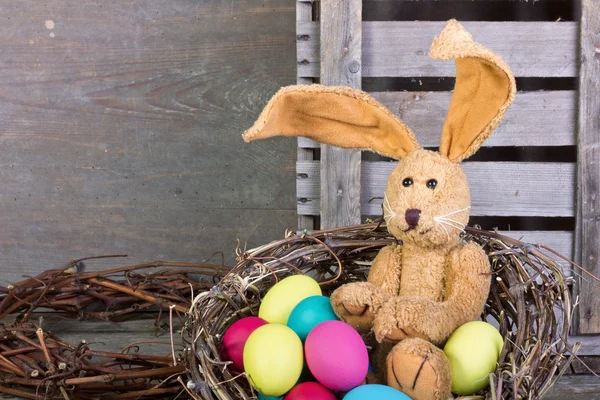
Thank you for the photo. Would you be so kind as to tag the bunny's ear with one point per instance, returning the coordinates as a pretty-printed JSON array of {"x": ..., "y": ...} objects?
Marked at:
[
  {"x": 485, "y": 87},
  {"x": 336, "y": 115}
]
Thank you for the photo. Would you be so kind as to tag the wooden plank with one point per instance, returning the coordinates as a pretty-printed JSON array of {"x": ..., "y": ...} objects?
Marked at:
[
  {"x": 575, "y": 387},
  {"x": 121, "y": 131},
  {"x": 340, "y": 55},
  {"x": 109, "y": 336},
  {"x": 399, "y": 48},
  {"x": 545, "y": 118},
  {"x": 560, "y": 241},
  {"x": 590, "y": 345},
  {"x": 589, "y": 164},
  {"x": 497, "y": 188},
  {"x": 304, "y": 12},
  {"x": 186, "y": 233}
]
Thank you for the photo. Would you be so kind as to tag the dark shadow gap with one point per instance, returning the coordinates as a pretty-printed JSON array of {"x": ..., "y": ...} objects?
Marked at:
[
  {"x": 522, "y": 154},
  {"x": 430, "y": 84},
  {"x": 471, "y": 10},
  {"x": 515, "y": 223}
]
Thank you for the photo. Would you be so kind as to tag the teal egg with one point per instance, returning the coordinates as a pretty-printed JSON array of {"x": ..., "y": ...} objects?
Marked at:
[
  {"x": 375, "y": 392},
  {"x": 263, "y": 397},
  {"x": 309, "y": 313}
]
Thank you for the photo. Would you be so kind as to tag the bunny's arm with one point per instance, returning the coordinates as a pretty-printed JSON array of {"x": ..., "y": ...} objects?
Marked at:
[
  {"x": 467, "y": 289},
  {"x": 357, "y": 303}
]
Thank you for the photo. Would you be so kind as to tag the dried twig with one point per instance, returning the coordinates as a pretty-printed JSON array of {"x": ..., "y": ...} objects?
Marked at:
[{"x": 35, "y": 364}]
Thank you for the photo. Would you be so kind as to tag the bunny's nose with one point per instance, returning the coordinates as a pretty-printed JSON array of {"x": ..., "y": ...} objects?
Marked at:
[{"x": 412, "y": 217}]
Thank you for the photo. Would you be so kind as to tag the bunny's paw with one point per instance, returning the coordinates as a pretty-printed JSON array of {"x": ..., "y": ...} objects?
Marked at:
[
  {"x": 408, "y": 317},
  {"x": 357, "y": 303}
]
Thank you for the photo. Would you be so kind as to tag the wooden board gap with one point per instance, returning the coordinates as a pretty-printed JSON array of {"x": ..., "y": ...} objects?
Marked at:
[
  {"x": 444, "y": 84},
  {"x": 470, "y": 10}
]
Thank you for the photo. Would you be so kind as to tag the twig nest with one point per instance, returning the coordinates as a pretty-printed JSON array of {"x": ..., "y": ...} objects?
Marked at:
[{"x": 529, "y": 302}]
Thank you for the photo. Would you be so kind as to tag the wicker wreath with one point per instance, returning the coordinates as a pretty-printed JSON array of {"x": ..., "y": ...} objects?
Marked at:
[{"x": 529, "y": 300}]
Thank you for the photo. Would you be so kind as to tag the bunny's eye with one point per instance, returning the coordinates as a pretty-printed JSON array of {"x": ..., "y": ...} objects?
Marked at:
[
  {"x": 431, "y": 184},
  {"x": 407, "y": 182}
]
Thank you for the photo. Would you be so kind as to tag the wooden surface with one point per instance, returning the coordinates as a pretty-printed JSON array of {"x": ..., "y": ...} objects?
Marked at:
[
  {"x": 120, "y": 129},
  {"x": 400, "y": 48},
  {"x": 544, "y": 118},
  {"x": 589, "y": 164},
  {"x": 575, "y": 387},
  {"x": 340, "y": 64},
  {"x": 497, "y": 188},
  {"x": 304, "y": 12}
]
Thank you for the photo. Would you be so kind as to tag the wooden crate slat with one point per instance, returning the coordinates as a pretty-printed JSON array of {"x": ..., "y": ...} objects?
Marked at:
[
  {"x": 340, "y": 52},
  {"x": 575, "y": 387},
  {"x": 545, "y": 118},
  {"x": 304, "y": 12},
  {"x": 588, "y": 221},
  {"x": 497, "y": 188},
  {"x": 399, "y": 48},
  {"x": 560, "y": 241}
]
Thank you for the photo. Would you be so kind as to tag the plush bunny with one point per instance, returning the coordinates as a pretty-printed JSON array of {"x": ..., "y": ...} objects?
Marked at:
[{"x": 419, "y": 292}]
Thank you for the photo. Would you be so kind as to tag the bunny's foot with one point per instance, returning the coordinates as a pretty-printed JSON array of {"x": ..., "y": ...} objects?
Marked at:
[
  {"x": 420, "y": 370},
  {"x": 357, "y": 303}
]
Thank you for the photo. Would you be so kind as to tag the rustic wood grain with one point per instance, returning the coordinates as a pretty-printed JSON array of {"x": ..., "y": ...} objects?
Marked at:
[
  {"x": 589, "y": 165},
  {"x": 340, "y": 64},
  {"x": 304, "y": 12},
  {"x": 542, "y": 189},
  {"x": 399, "y": 48},
  {"x": 111, "y": 336},
  {"x": 120, "y": 129},
  {"x": 575, "y": 387},
  {"x": 545, "y": 118},
  {"x": 590, "y": 345}
]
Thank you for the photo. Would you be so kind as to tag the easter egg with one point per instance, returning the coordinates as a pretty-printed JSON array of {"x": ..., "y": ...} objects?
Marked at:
[
  {"x": 232, "y": 347},
  {"x": 281, "y": 299},
  {"x": 375, "y": 392},
  {"x": 273, "y": 359},
  {"x": 473, "y": 350},
  {"x": 263, "y": 397},
  {"x": 310, "y": 391},
  {"x": 336, "y": 355},
  {"x": 309, "y": 313}
]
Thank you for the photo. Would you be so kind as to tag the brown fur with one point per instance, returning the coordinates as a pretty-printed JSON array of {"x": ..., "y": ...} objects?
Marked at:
[{"x": 418, "y": 293}]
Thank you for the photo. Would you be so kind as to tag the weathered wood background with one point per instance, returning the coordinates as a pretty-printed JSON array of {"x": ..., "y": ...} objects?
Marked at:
[{"x": 120, "y": 129}]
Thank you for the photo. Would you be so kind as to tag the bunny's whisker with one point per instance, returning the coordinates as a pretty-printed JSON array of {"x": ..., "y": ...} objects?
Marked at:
[
  {"x": 388, "y": 208},
  {"x": 444, "y": 228},
  {"x": 454, "y": 212},
  {"x": 454, "y": 224},
  {"x": 450, "y": 225},
  {"x": 452, "y": 221}
]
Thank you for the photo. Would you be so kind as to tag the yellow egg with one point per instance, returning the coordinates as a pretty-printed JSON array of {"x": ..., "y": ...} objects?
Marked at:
[
  {"x": 473, "y": 351},
  {"x": 281, "y": 299},
  {"x": 273, "y": 359}
]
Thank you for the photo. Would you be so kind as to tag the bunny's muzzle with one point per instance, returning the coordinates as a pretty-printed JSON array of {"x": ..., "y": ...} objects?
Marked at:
[{"x": 412, "y": 217}]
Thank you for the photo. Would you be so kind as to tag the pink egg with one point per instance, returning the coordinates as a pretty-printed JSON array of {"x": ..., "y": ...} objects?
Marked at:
[
  {"x": 336, "y": 355},
  {"x": 234, "y": 340},
  {"x": 310, "y": 391}
]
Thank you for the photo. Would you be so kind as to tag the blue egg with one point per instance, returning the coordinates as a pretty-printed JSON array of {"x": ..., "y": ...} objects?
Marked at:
[
  {"x": 375, "y": 392},
  {"x": 263, "y": 397},
  {"x": 309, "y": 313}
]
